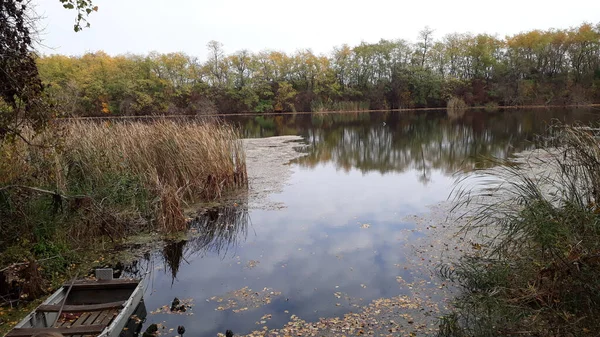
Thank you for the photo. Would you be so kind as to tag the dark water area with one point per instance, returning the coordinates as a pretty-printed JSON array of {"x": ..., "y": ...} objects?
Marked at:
[{"x": 345, "y": 235}]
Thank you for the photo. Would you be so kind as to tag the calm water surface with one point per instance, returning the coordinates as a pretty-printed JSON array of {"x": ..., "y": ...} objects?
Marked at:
[{"x": 375, "y": 169}]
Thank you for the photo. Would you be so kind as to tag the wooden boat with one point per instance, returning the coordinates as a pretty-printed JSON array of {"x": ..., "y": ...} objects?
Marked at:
[{"x": 100, "y": 308}]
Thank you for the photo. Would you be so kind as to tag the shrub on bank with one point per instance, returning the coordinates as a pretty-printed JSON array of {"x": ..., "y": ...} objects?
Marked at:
[{"x": 539, "y": 271}]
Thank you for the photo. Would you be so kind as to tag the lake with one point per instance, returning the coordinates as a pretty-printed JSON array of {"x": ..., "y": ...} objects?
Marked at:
[{"x": 349, "y": 233}]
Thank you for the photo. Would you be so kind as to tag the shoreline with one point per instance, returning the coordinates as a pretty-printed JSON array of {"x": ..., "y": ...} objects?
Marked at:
[
  {"x": 249, "y": 113},
  {"x": 268, "y": 171}
]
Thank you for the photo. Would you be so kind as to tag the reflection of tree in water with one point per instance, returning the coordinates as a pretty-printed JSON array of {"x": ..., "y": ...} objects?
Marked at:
[
  {"x": 215, "y": 230},
  {"x": 138, "y": 267},
  {"x": 219, "y": 229},
  {"x": 173, "y": 256},
  {"x": 415, "y": 141},
  {"x": 421, "y": 141}
]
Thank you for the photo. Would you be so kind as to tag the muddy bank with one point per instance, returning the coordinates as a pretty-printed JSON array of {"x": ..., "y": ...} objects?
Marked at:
[{"x": 267, "y": 161}]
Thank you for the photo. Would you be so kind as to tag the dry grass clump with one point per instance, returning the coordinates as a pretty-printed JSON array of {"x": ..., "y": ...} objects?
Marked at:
[
  {"x": 108, "y": 179},
  {"x": 539, "y": 221},
  {"x": 456, "y": 107},
  {"x": 198, "y": 160},
  {"x": 176, "y": 162},
  {"x": 331, "y": 106}
]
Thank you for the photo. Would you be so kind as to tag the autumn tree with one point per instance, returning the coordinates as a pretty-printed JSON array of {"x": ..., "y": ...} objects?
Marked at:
[
  {"x": 22, "y": 100},
  {"x": 535, "y": 67},
  {"x": 424, "y": 43},
  {"x": 215, "y": 62}
]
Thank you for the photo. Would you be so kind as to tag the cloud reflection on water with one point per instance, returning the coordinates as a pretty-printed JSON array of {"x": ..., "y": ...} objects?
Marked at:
[{"x": 359, "y": 171}]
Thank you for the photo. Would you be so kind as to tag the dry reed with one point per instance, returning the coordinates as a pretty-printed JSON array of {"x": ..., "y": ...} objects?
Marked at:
[
  {"x": 177, "y": 162},
  {"x": 106, "y": 174}
]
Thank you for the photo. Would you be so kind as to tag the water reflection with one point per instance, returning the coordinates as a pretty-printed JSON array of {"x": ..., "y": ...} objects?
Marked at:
[
  {"x": 134, "y": 325},
  {"x": 219, "y": 229},
  {"x": 420, "y": 141},
  {"x": 172, "y": 255},
  {"x": 377, "y": 169},
  {"x": 215, "y": 231}
]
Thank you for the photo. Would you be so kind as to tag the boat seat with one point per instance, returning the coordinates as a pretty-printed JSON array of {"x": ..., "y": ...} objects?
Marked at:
[
  {"x": 102, "y": 284},
  {"x": 77, "y": 330},
  {"x": 81, "y": 308}
]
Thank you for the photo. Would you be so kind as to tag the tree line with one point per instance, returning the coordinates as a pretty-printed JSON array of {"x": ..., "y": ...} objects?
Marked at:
[{"x": 539, "y": 67}]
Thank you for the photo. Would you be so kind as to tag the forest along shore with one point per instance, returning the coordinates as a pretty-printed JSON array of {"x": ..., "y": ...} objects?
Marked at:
[{"x": 538, "y": 67}]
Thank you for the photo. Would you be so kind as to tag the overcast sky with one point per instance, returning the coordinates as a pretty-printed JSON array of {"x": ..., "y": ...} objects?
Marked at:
[{"x": 141, "y": 26}]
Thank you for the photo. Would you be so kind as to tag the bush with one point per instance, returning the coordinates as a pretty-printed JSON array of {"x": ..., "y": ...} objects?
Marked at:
[{"x": 540, "y": 272}]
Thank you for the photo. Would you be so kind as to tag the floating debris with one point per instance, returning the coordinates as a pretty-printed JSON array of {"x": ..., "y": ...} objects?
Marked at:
[
  {"x": 383, "y": 317},
  {"x": 252, "y": 263},
  {"x": 177, "y": 307},
  {"x": 245, "y": 298}
]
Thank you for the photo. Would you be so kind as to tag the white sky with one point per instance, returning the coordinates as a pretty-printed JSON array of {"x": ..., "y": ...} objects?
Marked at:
[{"x": 140, "y": 26}]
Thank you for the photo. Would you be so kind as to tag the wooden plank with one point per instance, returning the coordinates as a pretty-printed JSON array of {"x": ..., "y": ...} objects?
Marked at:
[
  {"x": 105, "y": 284},
  {"x": 68, "y": 319},
  {"x": 109, "y": 317},
  {"x": 81, "y": 319},
  {"x": 79, "y": 330},
  {"x": 101, "y": 317},
  {"x": 81, "y": 308},
  {"x": 93, "y": 317}
]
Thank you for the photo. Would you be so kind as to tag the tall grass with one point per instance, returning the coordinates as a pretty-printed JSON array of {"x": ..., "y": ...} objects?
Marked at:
[
  {"x": 109, "y": 179},
  {"x": 539, "y": 221}
]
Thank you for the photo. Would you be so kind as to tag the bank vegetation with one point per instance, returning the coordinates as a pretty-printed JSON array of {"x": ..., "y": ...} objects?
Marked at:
[
  {"x": 78, "y": 184},
  {"x": 535, "y": 226}
]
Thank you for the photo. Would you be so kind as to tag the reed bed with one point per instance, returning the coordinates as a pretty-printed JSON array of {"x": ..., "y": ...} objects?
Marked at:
[
  {"x": 109, "y": 179},
  {"x": 177, "y": 162}
]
